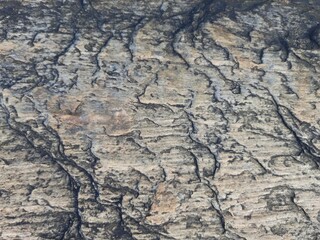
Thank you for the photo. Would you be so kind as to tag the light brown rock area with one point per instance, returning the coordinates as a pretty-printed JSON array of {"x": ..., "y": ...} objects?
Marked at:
[{"x": 157, "y": 120}]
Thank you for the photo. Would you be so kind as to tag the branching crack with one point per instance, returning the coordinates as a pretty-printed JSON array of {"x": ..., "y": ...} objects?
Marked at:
[
  {"x": 292, "y": 199},
  {"x": 304, "y": 148},
  {"x": 67, "y": 48},
  {"x": 74, "y": 185},
  {"x": 96, "y": 56}
]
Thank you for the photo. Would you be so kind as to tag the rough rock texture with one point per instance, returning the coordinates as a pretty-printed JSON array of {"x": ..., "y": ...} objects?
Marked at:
[{"x": 159, "y": 119}]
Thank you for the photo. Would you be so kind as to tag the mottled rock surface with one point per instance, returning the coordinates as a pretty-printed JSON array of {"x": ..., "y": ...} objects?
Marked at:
[{"x": 159, "y": 119}]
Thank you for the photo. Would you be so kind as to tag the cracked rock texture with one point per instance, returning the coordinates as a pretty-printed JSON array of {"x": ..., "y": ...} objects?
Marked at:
[{"x": 159, "y": 119}]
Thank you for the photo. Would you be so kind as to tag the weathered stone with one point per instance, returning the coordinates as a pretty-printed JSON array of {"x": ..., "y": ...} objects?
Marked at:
[{"x": 159, "y": 119}]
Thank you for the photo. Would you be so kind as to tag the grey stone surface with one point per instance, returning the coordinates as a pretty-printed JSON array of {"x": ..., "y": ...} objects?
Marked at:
[{"x": 159, "y": 119}]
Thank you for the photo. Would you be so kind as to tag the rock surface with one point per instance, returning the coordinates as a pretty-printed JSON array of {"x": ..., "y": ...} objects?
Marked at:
[{"x": 159, "y": 119}]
